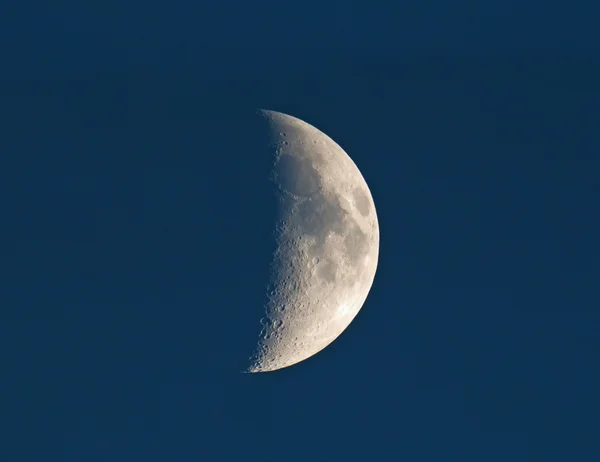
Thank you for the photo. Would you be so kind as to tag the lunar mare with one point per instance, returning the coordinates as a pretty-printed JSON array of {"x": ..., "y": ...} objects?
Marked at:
[{"x": 327, "y": 239}]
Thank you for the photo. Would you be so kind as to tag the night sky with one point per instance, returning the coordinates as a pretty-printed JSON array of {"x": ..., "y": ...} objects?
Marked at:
[{"x": 132, "y": 252}]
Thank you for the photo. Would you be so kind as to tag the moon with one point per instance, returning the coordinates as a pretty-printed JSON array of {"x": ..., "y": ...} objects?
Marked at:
[{"x": 327, "y": 244}]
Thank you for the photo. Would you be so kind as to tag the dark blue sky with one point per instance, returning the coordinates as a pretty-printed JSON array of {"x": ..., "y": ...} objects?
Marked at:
[{"x": 128, "y": 245}]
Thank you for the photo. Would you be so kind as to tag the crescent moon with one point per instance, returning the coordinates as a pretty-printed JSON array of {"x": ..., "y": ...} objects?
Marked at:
[{"x": 327, "y": 248}]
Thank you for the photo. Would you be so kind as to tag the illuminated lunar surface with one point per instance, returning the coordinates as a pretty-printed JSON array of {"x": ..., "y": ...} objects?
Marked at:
[{"x": 327, "y": 239}]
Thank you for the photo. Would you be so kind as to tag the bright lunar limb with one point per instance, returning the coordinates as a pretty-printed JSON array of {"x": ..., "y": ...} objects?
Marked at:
[{"x": 327, "y": 245}]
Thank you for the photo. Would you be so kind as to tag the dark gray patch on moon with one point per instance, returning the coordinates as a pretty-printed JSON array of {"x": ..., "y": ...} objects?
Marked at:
[
  {"x": 362, "y": 202},
  {"x": 356, "y": 245},
  {"x": 318, "y": 215},
  {"x": 327, "y": 270},
  {"x": 297, "y": 175}
]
